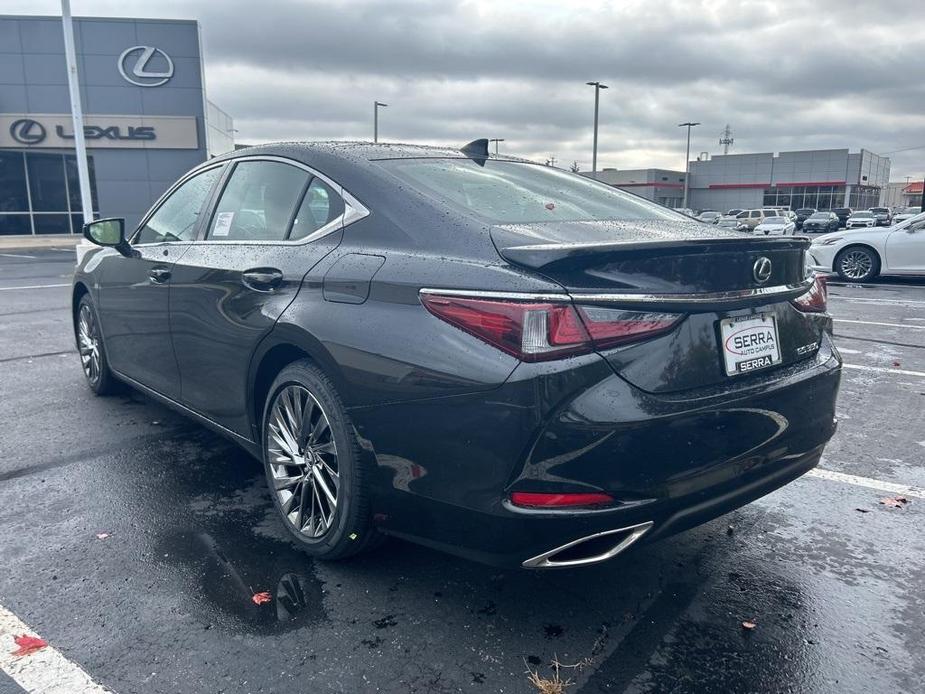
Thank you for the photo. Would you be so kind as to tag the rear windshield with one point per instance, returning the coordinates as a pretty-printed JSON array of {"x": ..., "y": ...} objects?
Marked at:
[{"x": 505, "y": 192}]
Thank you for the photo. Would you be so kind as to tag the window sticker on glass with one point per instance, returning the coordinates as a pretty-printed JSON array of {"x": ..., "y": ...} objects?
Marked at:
[{"x": 223, "y": 222}]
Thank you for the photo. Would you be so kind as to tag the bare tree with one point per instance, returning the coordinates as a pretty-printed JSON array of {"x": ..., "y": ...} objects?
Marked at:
[{"x": 574, "y": 168}]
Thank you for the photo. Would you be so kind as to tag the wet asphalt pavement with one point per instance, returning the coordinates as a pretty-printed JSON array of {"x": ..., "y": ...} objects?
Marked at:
[{"x": 834, "y": 581}]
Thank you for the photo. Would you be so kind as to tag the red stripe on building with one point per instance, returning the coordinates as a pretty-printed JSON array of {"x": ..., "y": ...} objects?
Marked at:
[
  {"x": 811, "y": 183},
  {"x": 732, "y": 186},
  {"x": 648, "y": 185}
]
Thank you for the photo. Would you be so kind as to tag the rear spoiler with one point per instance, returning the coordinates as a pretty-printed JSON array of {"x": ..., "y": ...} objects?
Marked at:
[{"x": 566, "y": 256}]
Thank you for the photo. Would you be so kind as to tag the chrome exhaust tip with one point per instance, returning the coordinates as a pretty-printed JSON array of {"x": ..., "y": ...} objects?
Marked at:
[{"x": 591, "y": 549}]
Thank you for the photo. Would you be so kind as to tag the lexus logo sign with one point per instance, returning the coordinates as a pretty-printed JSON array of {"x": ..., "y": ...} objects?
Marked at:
[
  {"x": 27, "y": 131},
  {"x": 762, "y": 270},
  {"x": 133, "y": 66}
]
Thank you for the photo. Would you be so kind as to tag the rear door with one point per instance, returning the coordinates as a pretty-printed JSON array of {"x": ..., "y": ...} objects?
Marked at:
[
  {"x": 134, "y": 291},
  {"x": 272, "y": 222}
]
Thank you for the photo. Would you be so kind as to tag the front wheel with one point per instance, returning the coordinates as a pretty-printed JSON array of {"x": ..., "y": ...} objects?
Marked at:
[
  {"x": 857, "y": 264},
  {"x": 313, "y": 465},
  {"x": 91, "y": 349}
]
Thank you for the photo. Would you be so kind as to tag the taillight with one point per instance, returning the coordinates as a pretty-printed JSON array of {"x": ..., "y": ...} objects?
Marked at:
[
  {"x": 539, "y": 331},
  {"x": 543, "y": 500},
  {"x": 815, "y": 300}
]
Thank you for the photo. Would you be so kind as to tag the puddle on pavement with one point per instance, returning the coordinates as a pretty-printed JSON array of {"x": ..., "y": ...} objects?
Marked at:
[{"x": 223, "y": 575}]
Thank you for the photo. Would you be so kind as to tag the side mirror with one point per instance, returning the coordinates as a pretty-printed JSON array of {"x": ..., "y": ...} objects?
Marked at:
[{"x": 109, "y": 233}]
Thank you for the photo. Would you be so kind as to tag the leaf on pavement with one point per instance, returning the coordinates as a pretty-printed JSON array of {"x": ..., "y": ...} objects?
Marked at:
[
  {"x": 894, "y": 501},
  {"x": 28, "y": 644},
  {"x": 102, "y": 536},
  {"x": 749, "y": 625},
  {"x": 261, "y": 598}
]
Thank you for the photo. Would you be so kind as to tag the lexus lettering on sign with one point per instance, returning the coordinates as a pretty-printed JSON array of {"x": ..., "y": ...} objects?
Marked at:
[{"x": 115, "y": 132}]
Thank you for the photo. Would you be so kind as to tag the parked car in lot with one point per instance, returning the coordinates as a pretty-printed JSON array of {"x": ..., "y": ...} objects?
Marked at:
[
  {"x": 709, "y": 217},
  {"x": 861, "y": 219},
  {"x": 883, "y": 216},
  {"x": 821, "y": 222},
  {"x": 499, "y": 359},
  {"x": 860, "y": 255},
  {"x": 776, "y": 226},
  {"x": 734, "y": 211},
  {"x": 752, "y": 218},
  {"x": 803, "y": 214},
  {"x": 842, "y": 213},
  {"x": 906, "y": 213},
  {"x": 732, "y": 223}
]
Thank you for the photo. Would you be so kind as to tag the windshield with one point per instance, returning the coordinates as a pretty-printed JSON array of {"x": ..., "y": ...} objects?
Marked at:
[
  {"x": 506, "y": 192},
  {"x": 863, "y": 215},
  {"x": 911, "y": 210},
  {"x": 879, "y": 210},
  {"x": 820, "y": 215},
  {"x": 806, "y": 211},
  {"x": 774, "y": 221}
]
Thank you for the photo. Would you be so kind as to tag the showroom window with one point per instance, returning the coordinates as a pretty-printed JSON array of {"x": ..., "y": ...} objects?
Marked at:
[{"x": 39, "y": 193}]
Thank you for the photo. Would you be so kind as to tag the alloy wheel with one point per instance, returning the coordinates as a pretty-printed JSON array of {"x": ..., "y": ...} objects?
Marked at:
[
  {"x": 302, "y": 457},
  {"x": 88, "y": 343},
  {"x": 856, "y": 265}
]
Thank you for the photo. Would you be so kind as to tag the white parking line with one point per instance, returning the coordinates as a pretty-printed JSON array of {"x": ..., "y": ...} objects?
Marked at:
[
  {"x": 884, "y": 370},
  {"x": 870, "y": 483},
  {"x": 45, "y": 671},
  {"x": 16, "y": 255},
  {"x": 35, "y": 286},
  {"x": 910, "y": 303},
  {"x": 885, "y": 325}
]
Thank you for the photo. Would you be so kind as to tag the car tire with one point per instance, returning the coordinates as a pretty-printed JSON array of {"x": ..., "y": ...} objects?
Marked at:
[
  {"x": 857, "y": 264},
  {"x": 91, "y": 349},
  {"x": 313, "y": 465}
]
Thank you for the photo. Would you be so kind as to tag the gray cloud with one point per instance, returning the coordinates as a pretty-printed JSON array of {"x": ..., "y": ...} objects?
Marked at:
[{"x": 791, "y": 74}]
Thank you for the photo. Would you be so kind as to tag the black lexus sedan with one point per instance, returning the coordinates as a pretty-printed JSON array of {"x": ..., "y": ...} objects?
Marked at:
[
  {"x": 499, "y": 359},
  {"x": 821, "y": 223}
]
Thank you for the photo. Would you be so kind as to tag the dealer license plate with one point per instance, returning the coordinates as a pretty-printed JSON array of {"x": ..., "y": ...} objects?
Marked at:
[{"x": 749, "y": 343}]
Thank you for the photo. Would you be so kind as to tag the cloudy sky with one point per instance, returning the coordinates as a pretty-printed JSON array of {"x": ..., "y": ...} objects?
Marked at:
[{"x": 791, "y": 74}]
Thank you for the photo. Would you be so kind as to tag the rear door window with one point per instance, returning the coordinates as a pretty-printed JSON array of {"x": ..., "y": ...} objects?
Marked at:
[{"x": 258, "y": 202}]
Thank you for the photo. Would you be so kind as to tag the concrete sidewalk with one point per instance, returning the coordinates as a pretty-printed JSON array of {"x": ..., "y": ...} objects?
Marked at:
[{"x": 18, "y": 243}]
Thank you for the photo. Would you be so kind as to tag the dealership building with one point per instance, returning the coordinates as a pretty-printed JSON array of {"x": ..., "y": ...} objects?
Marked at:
[
  {"x": 146, "y": 118},
  {"x": 822, "y": 179}
]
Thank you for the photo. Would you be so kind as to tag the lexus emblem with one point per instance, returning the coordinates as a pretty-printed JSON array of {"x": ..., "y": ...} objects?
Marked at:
[
  {"x": 27, "y": 131},
  {"x": 761, "y": 270},
  {"x": 133, "y": 66}
]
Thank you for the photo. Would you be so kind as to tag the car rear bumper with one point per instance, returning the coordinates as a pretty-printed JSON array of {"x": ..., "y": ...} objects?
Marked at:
[{"x": 445, "y": 468}]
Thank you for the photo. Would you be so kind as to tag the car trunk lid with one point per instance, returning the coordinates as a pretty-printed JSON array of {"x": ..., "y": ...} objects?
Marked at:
[{"x": 703, "y": 273}]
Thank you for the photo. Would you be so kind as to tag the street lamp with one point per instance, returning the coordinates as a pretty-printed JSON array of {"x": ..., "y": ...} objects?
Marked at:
[
  {"x": 376, "y": 105},
  {"x": 687, "y": 159},
  {"x": 597, "y": 97},
  {"x": 496, "y": 140}
]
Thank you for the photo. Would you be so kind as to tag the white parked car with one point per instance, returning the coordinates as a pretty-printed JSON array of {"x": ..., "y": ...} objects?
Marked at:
[
  {"x": 905, "y": 213},
  {"x": 709, "y": 216},
  {"x": 727, "y": 222},
  {"x": 776, "y": 226},
  {"x": 858, "y": 255},
  {"x": 859, "y": 220}
]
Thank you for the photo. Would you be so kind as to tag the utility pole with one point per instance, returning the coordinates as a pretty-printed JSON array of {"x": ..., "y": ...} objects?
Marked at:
[
  {"x": 496, "y": 140},
  {"x": 687, "y": 158},
  {"x": 77, "y": 117},
  {"x": 376, "y": 105},
  {"x": 726, "y": 139},
  {"x": 597, "y": 100}
]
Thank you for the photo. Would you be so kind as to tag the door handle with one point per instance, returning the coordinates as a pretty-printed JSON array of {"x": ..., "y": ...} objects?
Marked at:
[
  {"x": 263, "y": 279},
  {"x": 159, "y": 275}
]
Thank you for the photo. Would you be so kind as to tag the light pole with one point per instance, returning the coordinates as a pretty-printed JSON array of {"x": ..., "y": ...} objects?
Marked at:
[
  {"x": 376, "y": 105},
  {"x": 496, "y": 140},
  {"x": 597, "y": 99},
  {"x": 687, "y": 159}
]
